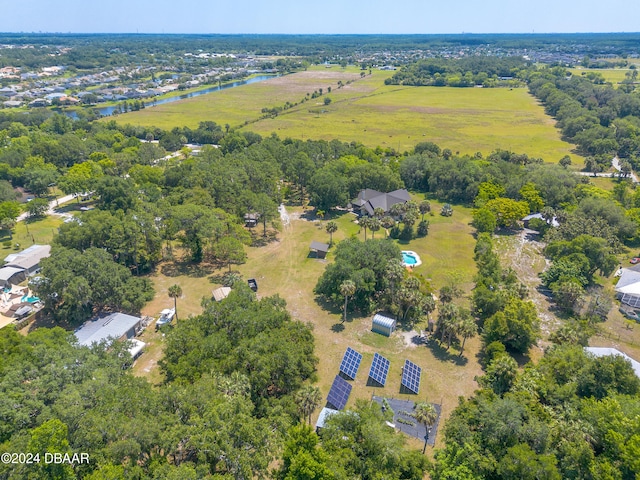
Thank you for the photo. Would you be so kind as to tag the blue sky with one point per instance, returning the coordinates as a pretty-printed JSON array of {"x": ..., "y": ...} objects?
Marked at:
[{"x": 325, "y": 16}]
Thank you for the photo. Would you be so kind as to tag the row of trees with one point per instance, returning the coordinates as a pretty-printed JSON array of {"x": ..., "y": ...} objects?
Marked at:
[
  {"x": 602, "y": 120},
  {"x": 463, "y": 72}
]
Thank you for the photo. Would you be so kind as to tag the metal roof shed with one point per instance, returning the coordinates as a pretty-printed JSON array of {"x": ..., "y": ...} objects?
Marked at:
[
  {"x": 319, "y": 248},
  {"x": 383, "y": 325}
]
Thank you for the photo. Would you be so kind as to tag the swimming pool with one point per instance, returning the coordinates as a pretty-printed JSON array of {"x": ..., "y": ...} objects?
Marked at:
[
  {"x": 410, "y": 258},
  {"x": 29, "y": 299}
]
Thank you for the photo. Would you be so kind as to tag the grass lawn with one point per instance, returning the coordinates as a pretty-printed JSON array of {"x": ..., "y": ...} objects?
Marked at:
[
  {"x": 28, "y": 232},
  {"x": 465, "y": 120},
  {"x": 285, "y": 268}
]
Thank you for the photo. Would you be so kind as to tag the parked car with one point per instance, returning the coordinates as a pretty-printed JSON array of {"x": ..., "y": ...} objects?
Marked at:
[
  {"x": 631, "y": 314},
  {"x": 634, "y": 260}
]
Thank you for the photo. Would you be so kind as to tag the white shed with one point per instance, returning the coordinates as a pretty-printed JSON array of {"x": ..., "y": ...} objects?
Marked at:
[{"x": 383, "y": 325}]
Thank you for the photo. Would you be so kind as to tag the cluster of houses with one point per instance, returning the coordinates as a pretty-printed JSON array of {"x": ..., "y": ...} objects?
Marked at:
[
  {"x": 16, "y": 301},
  {"x": 48, "y": 87}
]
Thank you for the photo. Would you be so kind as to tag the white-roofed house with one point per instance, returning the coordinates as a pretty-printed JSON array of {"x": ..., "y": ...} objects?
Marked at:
[
  {"x": 111, "y": 327},
  {"x": 628, "y": 286}
]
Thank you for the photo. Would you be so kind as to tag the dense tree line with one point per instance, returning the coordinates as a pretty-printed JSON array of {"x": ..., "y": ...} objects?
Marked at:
[
  {"x": 458, "y": 179},
  {"x": 569, "y": 416},
  {"x": 600, "y": 119},
  {"x": 463, "y": 72}
]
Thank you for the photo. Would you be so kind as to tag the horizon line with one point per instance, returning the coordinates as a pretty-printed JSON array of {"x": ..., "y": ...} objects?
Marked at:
[{"x": 316, "y": 34}]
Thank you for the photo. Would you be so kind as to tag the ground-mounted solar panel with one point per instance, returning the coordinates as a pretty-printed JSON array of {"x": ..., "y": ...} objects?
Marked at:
[
  {"x": 411, "y": 376},
  {"x": 379, "y": 369},
  {"x": 339, "y": 393},
  {"x": 350, "y": 363}
]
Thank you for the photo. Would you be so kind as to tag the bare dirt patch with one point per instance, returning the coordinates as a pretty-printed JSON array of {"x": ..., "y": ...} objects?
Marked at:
[{"x": 523, "y": 253}]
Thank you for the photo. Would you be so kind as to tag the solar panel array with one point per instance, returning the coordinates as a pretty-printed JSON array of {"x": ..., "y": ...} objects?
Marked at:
[
  {"x": 411, "y": 376},
  {"x": 350, "y": 363},
  {"x": 379, "y": 369},
  {"x": 339, "y": 393}
]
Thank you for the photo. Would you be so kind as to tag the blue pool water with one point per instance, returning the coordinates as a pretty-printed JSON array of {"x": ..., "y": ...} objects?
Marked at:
[
  {"x": 26, "y": 298},
  {"x": 408, "y": 259}
]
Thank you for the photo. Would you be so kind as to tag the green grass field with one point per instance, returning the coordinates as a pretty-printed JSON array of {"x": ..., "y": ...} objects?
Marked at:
[
  {"x": 613, "y": 75},
  {"x": 27, "y": 233},
  {"x": 465, "y": 120},
  {"x": 284, "y": 268}
]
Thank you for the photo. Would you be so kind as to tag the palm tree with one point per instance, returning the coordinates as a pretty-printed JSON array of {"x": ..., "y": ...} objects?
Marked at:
[
  {"x": 387, "y": 222},
  {"x": 396, "y": 210},
  {"x": 424, "y": 207},
  {"x": 378, "y": 212},
  {"x": 347, "y": 288},
  {"x": 425, "y": 414},
  {"x": 364, "y": 222},
  {"x": 446, "y": 318},
  {"x": 308, "y": 398},
  {"x": 331, "y": 228},
  {"x": 374, "y": 225},
  {"x": 468, "y": 328},
  {"x": 394, "y": 273},
  {"x": 175, "y": 291},
  {"x": 409, "y": 218}
]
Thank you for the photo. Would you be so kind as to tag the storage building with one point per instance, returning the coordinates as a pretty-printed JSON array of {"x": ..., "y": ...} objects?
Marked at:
[{"x": 383, "y": 325}]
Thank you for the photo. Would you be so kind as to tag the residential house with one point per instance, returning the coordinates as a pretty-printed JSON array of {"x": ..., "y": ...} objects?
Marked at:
[
  {"x": 28, "y": 259},
  {"x": 368, "y": 200},
  {"x": 111, "y": 327}
]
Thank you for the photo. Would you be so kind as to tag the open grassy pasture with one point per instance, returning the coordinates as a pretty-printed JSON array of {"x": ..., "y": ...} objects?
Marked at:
[
  {"x": 285, "y": 268},
  {"x": 613, "y": 75},
  {"x": 465, "y": 120}
]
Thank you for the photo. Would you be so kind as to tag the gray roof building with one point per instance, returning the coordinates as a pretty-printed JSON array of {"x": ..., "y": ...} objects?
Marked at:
[
  {"x": 110, "y": 327},
  {"x": 28, "y": 259},
  {"x": 368, "y": 200},
  {"x": 319, "y": 248},
  {"x": 11, "y": 275}
]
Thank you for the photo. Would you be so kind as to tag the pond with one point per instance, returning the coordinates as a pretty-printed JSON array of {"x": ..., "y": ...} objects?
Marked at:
[{"x": 107, "y": 111}]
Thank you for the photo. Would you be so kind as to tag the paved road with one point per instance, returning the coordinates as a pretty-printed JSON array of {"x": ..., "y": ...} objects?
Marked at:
[{"x": 53, "y": 204}]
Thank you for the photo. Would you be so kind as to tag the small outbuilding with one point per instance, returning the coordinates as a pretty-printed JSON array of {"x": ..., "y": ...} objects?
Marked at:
[
  {"x": 221, "y": 293},
  {"x": 325, "y": 413},
  {"x": 320, "y": 249},
  {"x": 383, "y": 325}
]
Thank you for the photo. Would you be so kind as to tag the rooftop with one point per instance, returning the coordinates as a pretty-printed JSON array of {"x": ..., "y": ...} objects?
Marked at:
[{"x": 112, "y": 326}]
